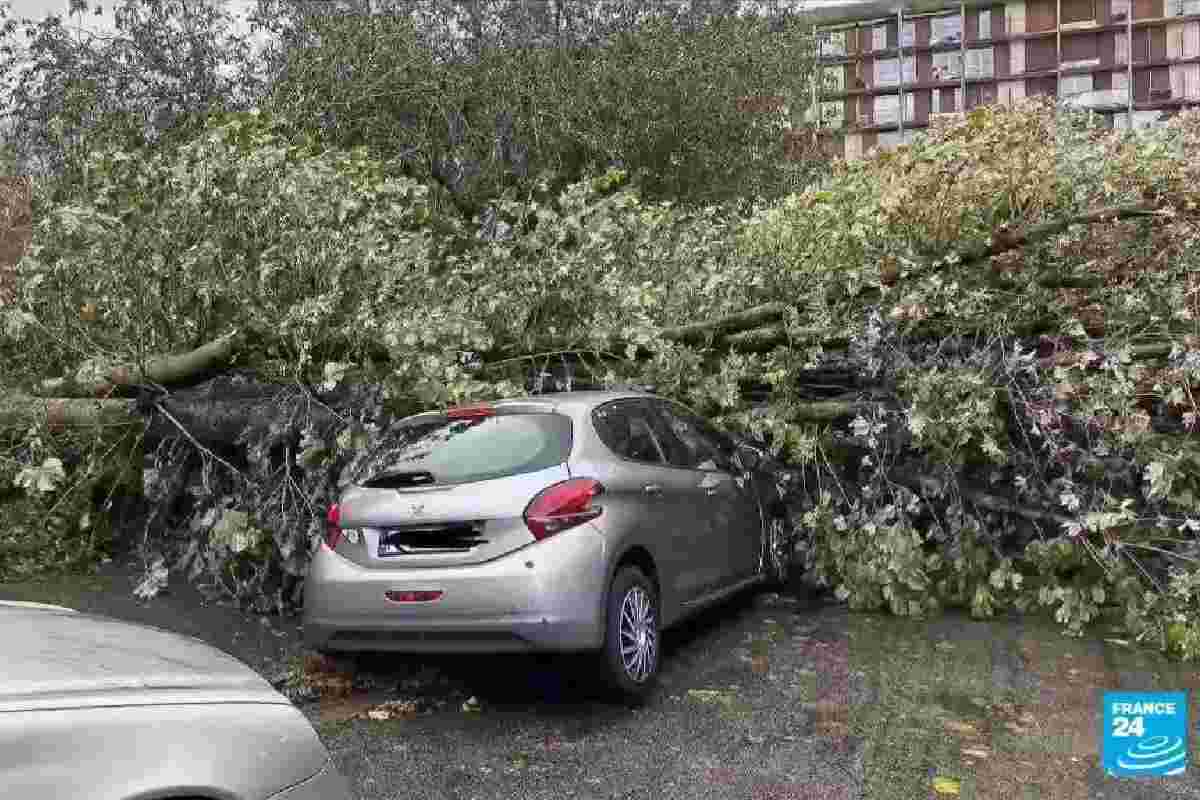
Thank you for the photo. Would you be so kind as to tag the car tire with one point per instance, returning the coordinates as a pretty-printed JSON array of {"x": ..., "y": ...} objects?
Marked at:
[
  {"x": 632, "y": 619},
  {"x": 778, "y": 550}
]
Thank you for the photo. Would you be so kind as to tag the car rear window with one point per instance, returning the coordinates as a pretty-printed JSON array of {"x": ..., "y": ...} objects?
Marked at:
[{"x": 455, "y": 451}]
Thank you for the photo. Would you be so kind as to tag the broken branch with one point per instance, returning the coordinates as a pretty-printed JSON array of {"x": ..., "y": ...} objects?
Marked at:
[
  {"x": 166, "y": 370},
  {"x": 58, "y": 413}
]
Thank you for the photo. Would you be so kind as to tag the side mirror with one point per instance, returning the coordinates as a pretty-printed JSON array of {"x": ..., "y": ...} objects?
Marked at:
[{"x": 748, "y": 457}]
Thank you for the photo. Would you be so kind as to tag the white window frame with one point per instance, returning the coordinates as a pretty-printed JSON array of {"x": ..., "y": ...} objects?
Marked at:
[
  {"x": 935, "y": 102},
  {"x": 1180, "y": 8},
  {"x": 893, "y": 70},
  {"x": 879, "y": 38},
  {"x": 833, "y": 79},
  {"x": 985, "y": 24},
  {"x": 885, "y": 109},
  {"x": 888, "y": 114},
  {"x": 981, "y": 63},
  {"x": 889, "y": 139},
  {"x": 938, "y": 25},
  {"x": 1076, "y": 84},
  {"x": 948, "y": 71},
  {"x": 833, "y": 44},
  {"x": 908, "y": 34},
  {"x": 833, "y": 114}
]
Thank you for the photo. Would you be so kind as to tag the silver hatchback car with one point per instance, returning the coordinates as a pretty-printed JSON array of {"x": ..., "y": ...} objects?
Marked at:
[{"x": 570, "y": 522}]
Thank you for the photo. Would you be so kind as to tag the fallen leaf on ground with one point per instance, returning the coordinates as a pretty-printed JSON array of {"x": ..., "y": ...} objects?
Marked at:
[
  {"x": 472, "y": 704},
  {"x": 947, "y": 787},
  {"x": 962, "y": 728},
  {"x": 760, "y": 665},
  {"x": 976, "y": 752},
  {"x": 392, "y": 709},
  {"x": 712, "y": 696},
  {"x": 343, "y": 709}
]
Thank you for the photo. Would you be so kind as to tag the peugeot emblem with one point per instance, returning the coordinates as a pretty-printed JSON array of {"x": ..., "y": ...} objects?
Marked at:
[{"x": 418, "y": 509}]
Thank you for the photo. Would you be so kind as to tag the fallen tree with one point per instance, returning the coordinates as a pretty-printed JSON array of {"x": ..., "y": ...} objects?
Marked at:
[{"x": 986, "y": 381}]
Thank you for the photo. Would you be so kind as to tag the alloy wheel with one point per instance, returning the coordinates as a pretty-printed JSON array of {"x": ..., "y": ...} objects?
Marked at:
[{"x": 638, "y": 634}]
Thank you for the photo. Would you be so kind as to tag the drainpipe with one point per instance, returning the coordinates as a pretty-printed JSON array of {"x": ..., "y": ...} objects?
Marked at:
[
  {"x": 962, "y": 68},
  {"x": 1129, "y": 65},
  {"x": 818, "y": 79},
  {"x": 900, "y": 62},
  {"x": 1058, "y": 50}
]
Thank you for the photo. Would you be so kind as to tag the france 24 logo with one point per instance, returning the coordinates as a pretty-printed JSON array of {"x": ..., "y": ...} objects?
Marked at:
[{"x": 1145, "y": 733}]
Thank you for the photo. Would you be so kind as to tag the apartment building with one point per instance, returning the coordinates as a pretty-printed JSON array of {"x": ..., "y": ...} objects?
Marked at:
[{"x": 885, "y": 73}]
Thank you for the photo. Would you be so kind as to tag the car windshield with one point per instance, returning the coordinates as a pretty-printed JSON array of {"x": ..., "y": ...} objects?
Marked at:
[{"x": 442, "y": 451}]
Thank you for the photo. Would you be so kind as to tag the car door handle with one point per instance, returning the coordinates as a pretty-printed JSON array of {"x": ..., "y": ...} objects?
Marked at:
[{"x": 652, "y": 488}]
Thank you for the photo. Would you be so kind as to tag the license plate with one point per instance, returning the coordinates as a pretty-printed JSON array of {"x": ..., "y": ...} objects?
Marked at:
[{"x": 387, "y": 548}]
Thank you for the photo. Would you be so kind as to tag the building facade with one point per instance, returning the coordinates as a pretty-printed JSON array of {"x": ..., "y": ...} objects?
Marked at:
[{"x": 884, "y": 74}]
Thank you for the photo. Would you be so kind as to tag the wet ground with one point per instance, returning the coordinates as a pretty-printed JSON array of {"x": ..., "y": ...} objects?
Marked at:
[{"x": 764, "y": 698}]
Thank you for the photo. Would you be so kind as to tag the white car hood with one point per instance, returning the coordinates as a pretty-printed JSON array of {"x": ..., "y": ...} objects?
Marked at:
[{"x": 56, "y": 657}]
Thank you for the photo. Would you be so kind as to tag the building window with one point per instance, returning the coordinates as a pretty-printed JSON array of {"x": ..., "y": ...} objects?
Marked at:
[
  {"x": 938, "y": 107},
  {"x": 833, "y": 44},
  {"x": 947, "y": 66},
  {"x": 980, "y": 63},
  {"x": 1075, "y": 12},
  {"x": 1075, "y": 84},
  {"x": 833, "y": 115},
  {"x": 1179, "y": 8},
  {"x": 887, "y": 108},
  {"x": 985, "y": 24},
  {"x": 1120, "y": 10},
  {"x": 833, "y": 79},
  {"x": 887, "y": 72},
  {"x": 879, "y": 37},
  {"x": 945, "y": 29},
  {"x": 908, "y": 35},
  {"x": 889, "y": 139}
]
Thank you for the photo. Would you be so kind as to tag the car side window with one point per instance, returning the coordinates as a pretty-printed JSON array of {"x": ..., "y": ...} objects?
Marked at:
[
  {"x": 706, "y": 449},
  {"x": 626, "y": 430}
]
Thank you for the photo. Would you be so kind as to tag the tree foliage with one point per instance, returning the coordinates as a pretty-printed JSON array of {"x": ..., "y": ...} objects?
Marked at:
[{"x": 984, "y": 370}]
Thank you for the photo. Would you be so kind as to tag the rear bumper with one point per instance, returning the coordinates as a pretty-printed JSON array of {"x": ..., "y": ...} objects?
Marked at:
[{"x": 545, "y": 597}]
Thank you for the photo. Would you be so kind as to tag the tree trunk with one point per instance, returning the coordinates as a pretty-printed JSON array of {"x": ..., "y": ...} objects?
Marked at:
[
  {"x": 170, "y": 369},
  {"x": 23, "y": 411}
]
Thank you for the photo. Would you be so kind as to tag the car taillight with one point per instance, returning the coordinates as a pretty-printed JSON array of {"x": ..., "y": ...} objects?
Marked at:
[
  {"x": 333, "y": 526},
  {"x": 561, "y": 506},
  {"x": 475, "y": 411}
]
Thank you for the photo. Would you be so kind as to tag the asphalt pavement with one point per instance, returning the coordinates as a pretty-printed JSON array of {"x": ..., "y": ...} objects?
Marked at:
[
  {"x": 764, "y": 697},
  {"x": 747, "y": 707}
]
